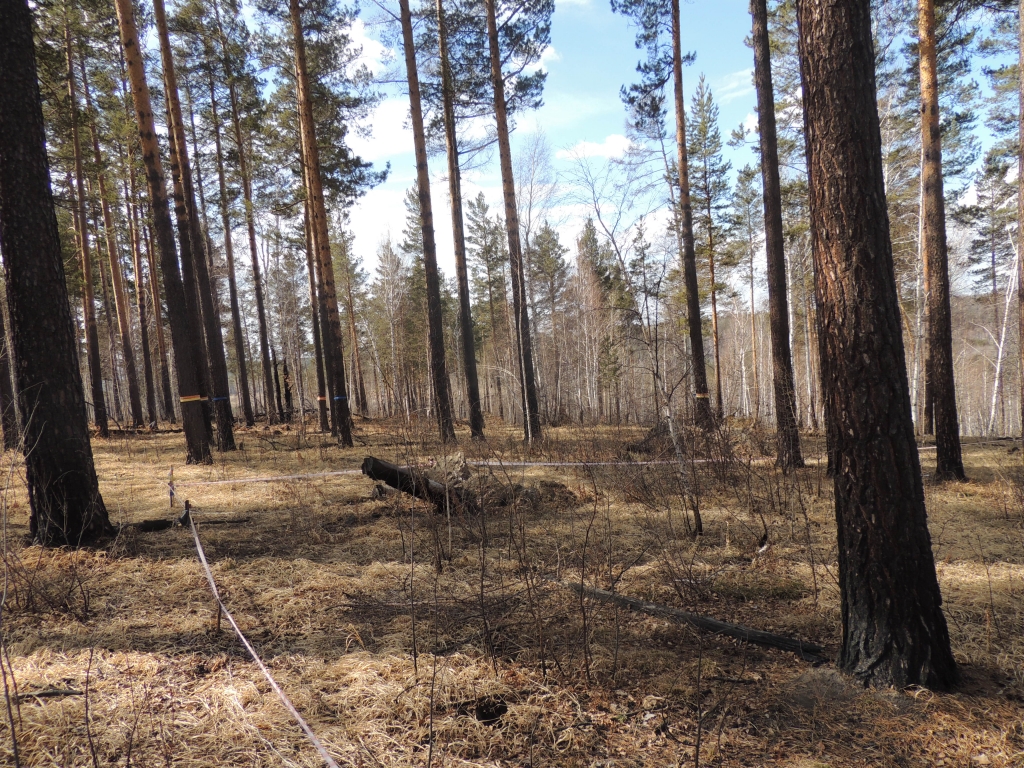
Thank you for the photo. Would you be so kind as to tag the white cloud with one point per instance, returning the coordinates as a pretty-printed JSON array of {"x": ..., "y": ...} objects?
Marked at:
[
  {"x": 613, "y": 146},
  {"x": 391, "y": 134},
  {"x": 375, "y": 54},
  {"x": 734, "y": 86},
  {"x": 750, "y": 122}
]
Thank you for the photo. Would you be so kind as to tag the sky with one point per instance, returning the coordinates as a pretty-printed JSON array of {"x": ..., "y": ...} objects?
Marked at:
[{"x": 591, "y": 57}]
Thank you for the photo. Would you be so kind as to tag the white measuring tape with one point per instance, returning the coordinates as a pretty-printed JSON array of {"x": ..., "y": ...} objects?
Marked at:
[{"x": 252, "y": 651}]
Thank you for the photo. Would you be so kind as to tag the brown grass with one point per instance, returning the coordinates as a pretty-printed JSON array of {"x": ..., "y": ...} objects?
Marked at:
[{"x": 485, "y": 662}]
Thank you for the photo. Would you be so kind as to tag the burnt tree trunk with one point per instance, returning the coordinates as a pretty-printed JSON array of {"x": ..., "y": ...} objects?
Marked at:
[
  {"x": 192, "y": 416},
  {"x": 220, "y": 403},
  {"x": 63, "y": 490},
  {"x": 435, "y": 328},
  {"x": 949, "y": 464},
  {"x": 894, "y": 631},
  {"x": 787, "y": 438}
]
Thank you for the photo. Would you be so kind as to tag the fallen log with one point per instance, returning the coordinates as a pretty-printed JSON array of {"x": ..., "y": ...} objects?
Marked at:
[
  {"x": 806, "y": 651},
  {"x": 408, "y": 480}
]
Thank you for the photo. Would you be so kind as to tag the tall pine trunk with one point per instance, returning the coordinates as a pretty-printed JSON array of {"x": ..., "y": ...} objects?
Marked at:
[
  {"x": 158, "y": 325},
  {"x": 140, "y": 292},
  {"x": 949, "y": 464},
  {"x": 314, "y": 304},
  {"x": 332, "y": 341},
  {"x": 476, "y": 414},
  {"x": 520, "y": 310},
  {"x": 704, "y": 415},
  {"x": 92, "y": 336},
  {"x": 114, "y": 259},
  {"x": 192, "y": 416},
  {"x": 435, "y": 329},
  {"x": 787, "y": 437},
  {"x": 1020, "y": 209},
  {"x": 218, "y": 381},
  {"x": 229, "y": 256},
  {"x": 63, "y": 489},
  {"x": 894, "y": 631},
  {"x": 8, "y": 404}
]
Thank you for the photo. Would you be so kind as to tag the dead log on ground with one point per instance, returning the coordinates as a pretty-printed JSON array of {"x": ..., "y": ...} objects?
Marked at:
[
  {"x": 415, "y": 483},
  {"x": 806, "y": 651}
]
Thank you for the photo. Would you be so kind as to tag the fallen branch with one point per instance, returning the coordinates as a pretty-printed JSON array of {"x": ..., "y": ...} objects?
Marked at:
[
  {"x": 49, "y": 693},
  {"x": 806, "y": 651},
  {"x": 408, "y": 480}
]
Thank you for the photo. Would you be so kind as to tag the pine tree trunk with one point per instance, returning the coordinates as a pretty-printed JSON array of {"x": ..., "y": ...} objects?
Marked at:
[
  {"x": 218, "y": 370},
  {"x": 115, "y": 380},
  {"x": 704, "y": 414},
  {"x": 334, "y": 341},
  {"x": 140, "y": 292},
  {"x": 783, "y": 382},
  {"x": 520, "y": 310},
  {"x": 158, "y": 327},
  {"x": 719, "y": 406},
  {"x": 92, "y": 337},
  {"x": 8, "y": 404},
  {"x": 435, "y": 329},
  {"x": 64, "y": 495},
  {"x": 117, "y": 282},
  {"x": 1020, "y": 210},
  {"x": 358, "y": 387},
  {"x": 192, "y": 416},
  {"x": 476, "y": 415},
  {"x": 949, "y": 464},
  {"x": 188, "y": 279},
  {"x": 321, "y": 384},
  {"x": 894, "y": 631},
  {"x": 229, "y": 255}
]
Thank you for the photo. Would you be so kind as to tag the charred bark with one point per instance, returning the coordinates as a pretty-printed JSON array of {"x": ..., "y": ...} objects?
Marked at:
[
  {"x": 64, "y": 495},
  {"x": 894, "y": 631}
]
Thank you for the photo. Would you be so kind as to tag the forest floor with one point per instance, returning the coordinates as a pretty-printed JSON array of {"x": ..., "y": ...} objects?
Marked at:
[{"x": 407, "y": 637}]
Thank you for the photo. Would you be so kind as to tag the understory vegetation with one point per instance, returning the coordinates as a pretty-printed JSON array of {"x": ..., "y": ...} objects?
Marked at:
[{"x": 409, "y": 635}]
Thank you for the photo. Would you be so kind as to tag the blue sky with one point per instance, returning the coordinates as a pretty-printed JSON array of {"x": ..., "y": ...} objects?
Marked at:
[{"x": 592, "y": 55}]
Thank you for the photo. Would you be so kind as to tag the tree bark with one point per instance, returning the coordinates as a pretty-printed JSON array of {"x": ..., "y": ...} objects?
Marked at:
[
  {"x": 188, "y": 279},
  {"x": 229, "y": 255},
  {"x": 116, "y": 277},
  {"x": 321, "y": 383},
  {"x": 949, "y": 464},
  {"x": 894, "y": 631},
  {"x": 158, "y": 327},
  {"x": 8, "y": 402},
  {"x": 476, "y": 414},
  {"x": 521, "y": 317},
  {"x": 140, "y": 292},
  {"x": 704, "y": 415},
  {"x": 63, "y": 489},
  {"x": 1020, "y": 210},
  {"x": 435, "y": 329},
  {"x": 358, "y": 386},
  {"x": 92, "y": 337},
  {"x": 218, "y": 381},
  {"x": 192, "y": 416},
  {"x": 789, "y": 455},
  {"x": 334, "y": 341}
]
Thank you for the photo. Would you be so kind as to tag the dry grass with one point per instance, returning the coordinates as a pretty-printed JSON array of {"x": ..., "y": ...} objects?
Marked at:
[{"x": 408, "y": 638}]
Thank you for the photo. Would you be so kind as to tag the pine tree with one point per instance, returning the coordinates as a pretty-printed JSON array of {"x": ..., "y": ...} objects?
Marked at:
[
  {"x": 64, "y": 496},
  {"x": 894, "y": 632},
  {"x": 710, "y": 185},
  {"x": 788, "y": 454}
]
